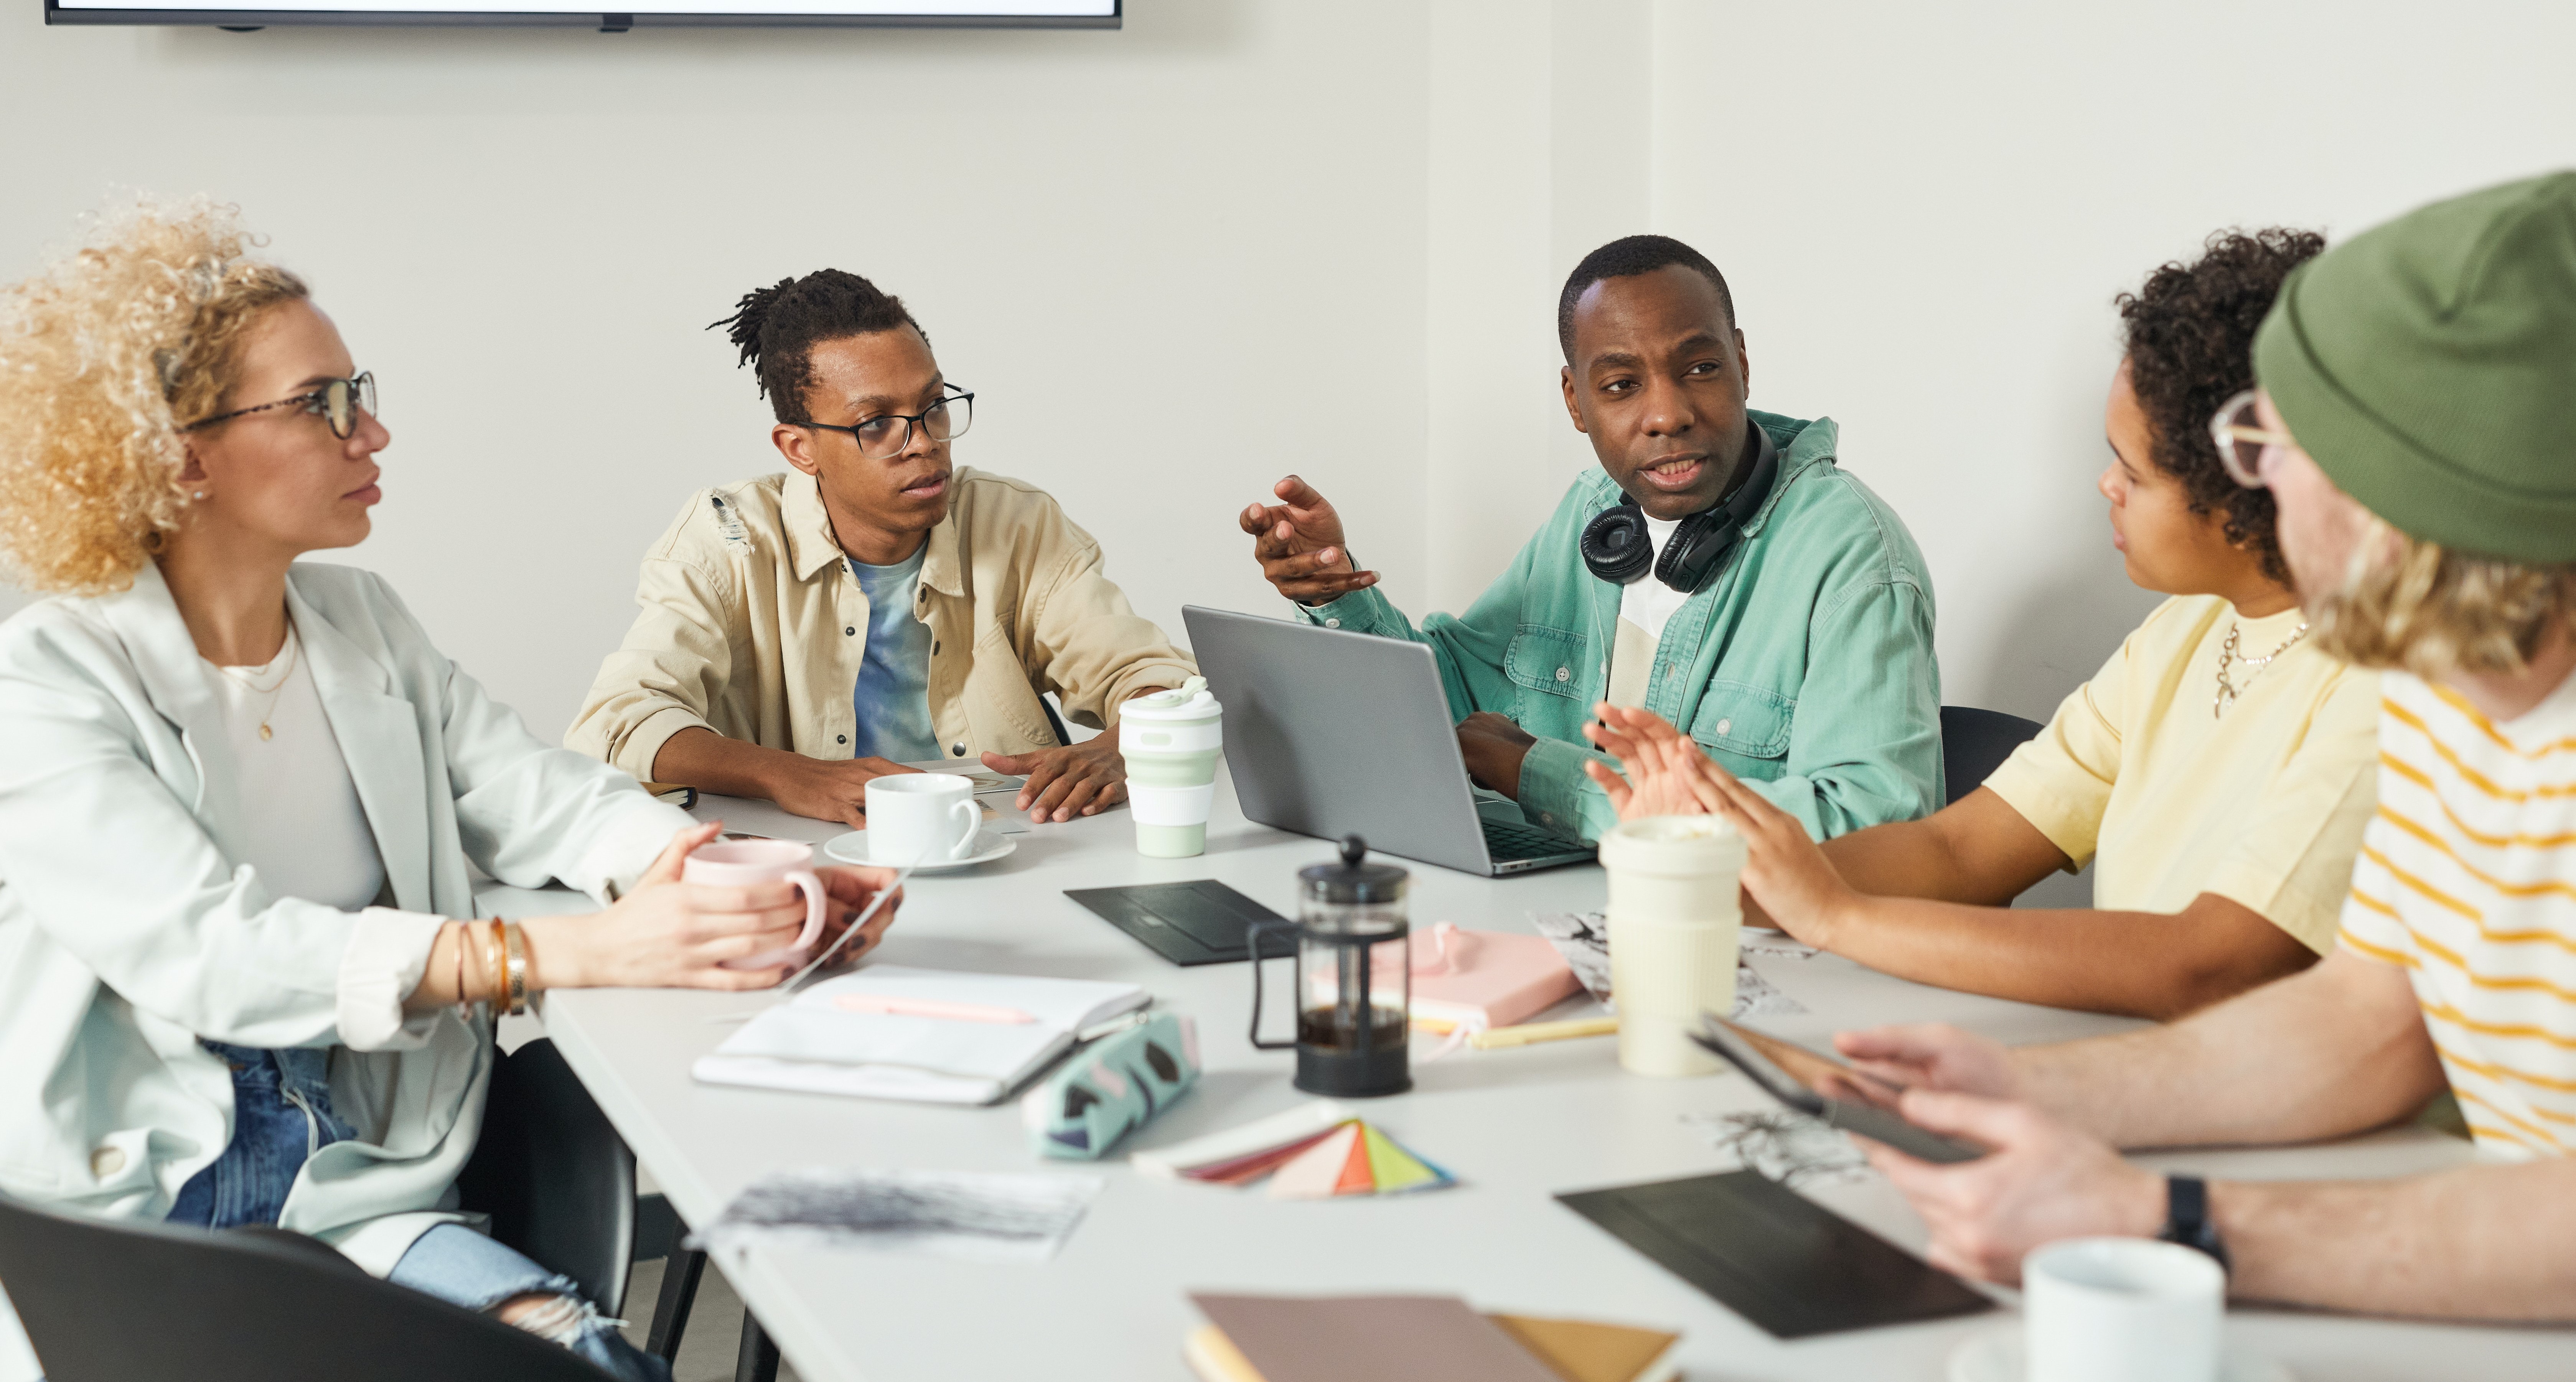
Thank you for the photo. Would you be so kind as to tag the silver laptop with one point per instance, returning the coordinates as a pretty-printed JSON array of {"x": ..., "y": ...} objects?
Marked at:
[{"x": 1330, "y": 733}]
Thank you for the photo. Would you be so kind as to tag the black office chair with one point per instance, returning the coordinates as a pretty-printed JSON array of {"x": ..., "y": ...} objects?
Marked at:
[
  {"x": 556, "y": 1178},
  {"x": 113, "y": 1301},
  {"x": 1976, "y": 742}
]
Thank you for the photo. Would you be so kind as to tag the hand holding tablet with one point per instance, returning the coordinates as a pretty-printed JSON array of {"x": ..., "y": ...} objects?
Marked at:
[{"x": 1818, "y": 1085}]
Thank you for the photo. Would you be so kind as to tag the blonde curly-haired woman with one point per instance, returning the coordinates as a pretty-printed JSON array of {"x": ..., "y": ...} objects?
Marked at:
[{"x": 239, "y": 977}]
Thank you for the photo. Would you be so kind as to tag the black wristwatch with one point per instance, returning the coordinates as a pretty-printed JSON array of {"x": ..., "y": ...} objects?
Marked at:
[{"x": 2187, "y": 1219}]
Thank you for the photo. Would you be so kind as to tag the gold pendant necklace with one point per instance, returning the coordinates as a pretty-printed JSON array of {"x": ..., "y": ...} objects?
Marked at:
[
  {"x": 274, "y": 691},
  {"x": 2228, "y": 690}
]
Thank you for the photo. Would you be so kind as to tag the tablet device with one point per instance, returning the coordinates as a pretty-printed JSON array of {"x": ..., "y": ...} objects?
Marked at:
[{"x": 1811, "y": 1083}]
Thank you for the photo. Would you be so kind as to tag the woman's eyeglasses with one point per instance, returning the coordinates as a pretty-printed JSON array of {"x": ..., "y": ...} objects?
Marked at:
[
  {"x": 882, "y": 438},
  {"x": 2242, "y": 438},
  {"x": 338, "y": 400}
]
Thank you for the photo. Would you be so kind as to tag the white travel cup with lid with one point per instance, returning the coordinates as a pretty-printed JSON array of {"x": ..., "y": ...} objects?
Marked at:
[
  {"x": 1675, "y": 919},
  {"x": 1171, "y": 740}
]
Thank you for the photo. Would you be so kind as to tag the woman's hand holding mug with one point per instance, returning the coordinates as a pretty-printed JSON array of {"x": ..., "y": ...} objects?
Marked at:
[{"x": 672, "y": 932}]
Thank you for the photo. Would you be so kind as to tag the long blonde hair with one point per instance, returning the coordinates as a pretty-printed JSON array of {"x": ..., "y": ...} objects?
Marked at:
[
  {"x": 2417, "y": 605},
  {"x": 104, "y": 356}
]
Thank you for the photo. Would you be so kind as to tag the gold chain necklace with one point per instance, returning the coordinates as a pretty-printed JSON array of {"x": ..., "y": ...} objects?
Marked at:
[
  {"x": 2228, "y": 690},
  {"x": 273, "y": 692}
]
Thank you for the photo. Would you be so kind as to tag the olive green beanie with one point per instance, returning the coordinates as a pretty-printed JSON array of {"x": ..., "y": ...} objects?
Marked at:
[{"x": 2429, "y": 367}]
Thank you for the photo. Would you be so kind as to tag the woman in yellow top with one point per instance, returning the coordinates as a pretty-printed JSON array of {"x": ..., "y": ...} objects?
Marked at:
[{"x": 2218, "y": 770}]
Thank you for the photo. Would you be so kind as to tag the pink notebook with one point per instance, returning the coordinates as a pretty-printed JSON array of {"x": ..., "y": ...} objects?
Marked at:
[{"x": 1486, "y": 978}]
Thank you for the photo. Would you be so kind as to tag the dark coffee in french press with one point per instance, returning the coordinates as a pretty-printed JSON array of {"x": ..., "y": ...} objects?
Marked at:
[{"x": 1354, "y": 977}]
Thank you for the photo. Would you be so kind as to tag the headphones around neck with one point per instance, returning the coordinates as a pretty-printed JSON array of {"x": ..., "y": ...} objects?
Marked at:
[{"x": 1617, "y": 547}]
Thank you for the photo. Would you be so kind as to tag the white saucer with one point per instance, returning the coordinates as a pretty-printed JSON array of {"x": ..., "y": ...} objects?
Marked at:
[
  {"x": 1995, "y": 1355},
  {"x": 989, "y": 845}
]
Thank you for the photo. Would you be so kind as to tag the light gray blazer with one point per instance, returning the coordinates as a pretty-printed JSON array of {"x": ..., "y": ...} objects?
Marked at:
[{"x": 129, "y": 928}]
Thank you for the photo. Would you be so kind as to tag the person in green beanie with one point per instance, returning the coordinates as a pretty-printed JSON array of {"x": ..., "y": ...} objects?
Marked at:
[{"x": 2416, "y": 425}]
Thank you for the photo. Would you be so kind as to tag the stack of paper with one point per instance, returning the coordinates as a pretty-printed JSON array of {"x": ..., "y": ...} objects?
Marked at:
[{"x": 1315, "y": 1151}]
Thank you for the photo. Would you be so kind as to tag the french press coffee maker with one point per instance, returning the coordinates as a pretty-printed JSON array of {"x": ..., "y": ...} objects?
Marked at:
[{"x": 1354, "y": 991}]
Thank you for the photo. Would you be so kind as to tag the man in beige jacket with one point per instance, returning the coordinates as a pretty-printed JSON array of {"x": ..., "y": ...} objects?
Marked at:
[{"x": 802, "y": 633}]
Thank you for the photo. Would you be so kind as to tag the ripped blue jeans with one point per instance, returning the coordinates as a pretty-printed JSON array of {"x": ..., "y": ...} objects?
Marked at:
[{"x": 282, "y": 1115}]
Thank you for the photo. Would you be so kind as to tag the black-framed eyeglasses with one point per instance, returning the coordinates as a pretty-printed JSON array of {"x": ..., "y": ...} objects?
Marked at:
[
  {"x": 880, "y": 438},
  {"x": 338, "y": 400}
]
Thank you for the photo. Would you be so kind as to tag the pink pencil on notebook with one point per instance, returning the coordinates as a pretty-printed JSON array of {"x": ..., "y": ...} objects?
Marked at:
[{"x": 930, "y": 1007}]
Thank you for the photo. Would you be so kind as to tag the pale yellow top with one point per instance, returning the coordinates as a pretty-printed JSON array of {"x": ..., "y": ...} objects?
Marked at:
[{"x": 2263, "y": 805}]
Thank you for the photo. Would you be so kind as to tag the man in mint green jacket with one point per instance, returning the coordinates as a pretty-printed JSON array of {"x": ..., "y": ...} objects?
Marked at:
[{"x": 1720, "y": 570}]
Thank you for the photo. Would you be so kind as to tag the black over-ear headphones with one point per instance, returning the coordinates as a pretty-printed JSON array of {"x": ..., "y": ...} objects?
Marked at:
[{"x": 1617, "y": 547}]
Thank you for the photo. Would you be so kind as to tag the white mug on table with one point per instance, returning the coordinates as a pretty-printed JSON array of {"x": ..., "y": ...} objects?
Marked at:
[
  {"x": 741, "y": 863},
  {"x": 921, "y": 818},
  {"x": 2122, "y": 1310}
]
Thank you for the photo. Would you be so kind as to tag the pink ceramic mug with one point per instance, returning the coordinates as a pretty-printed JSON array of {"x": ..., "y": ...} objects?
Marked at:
[{"x": 740, "y": 863}]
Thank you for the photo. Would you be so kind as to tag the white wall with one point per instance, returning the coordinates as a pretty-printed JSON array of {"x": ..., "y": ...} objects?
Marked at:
[
  {"x": 1924, "y": 211},
  {"x": 1310, "y": 235},
  {"x": 1176, "y": 261}
]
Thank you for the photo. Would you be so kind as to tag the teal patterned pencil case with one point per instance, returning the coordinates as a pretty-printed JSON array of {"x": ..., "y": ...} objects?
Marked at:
[{"x": 1113, "y": 1087}]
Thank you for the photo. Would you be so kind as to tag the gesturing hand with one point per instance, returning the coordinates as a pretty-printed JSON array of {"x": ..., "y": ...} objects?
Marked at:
[
  {"x": 1661, "y": 763},
  {"x": 1790, "y": 879},
  {"x": 1298, "y": 542},
  {"x": 1081, "y": 779},
  {"x": 2043, "y": 1181}
]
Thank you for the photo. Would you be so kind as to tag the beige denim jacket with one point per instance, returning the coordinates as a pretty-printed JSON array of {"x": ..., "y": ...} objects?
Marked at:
[{"x": 753, "y": 626}]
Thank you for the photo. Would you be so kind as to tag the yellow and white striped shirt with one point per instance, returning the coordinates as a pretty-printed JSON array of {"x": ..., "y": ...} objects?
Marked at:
[{"x": 2467, "y": 877}]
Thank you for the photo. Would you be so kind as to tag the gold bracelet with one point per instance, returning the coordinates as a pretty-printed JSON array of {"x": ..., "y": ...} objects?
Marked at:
[
  {"x": 495, "y": 962},
  {"x": 516, "y": 943}
]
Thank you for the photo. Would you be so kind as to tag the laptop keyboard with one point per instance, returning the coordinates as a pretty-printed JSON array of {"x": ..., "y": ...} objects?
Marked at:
[{"x": 1507, "y": 842}]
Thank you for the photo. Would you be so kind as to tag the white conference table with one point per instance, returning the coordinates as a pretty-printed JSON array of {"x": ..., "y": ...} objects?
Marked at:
[{"x": 1517, "y": 1125}]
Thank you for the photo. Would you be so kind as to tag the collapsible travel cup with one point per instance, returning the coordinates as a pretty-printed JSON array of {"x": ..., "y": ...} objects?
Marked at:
[
  {"x": 1170, "y": 740},
  {"x": 1675, "y": 920}
]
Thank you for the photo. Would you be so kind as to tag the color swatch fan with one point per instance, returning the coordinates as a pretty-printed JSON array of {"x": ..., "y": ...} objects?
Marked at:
[{"x": 1316, "y": 1151}]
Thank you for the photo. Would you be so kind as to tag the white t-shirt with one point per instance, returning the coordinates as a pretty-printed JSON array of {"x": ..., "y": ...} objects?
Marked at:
[
  {"x": 1645, "y": 604},
  {"x": 304, "y": 830}
]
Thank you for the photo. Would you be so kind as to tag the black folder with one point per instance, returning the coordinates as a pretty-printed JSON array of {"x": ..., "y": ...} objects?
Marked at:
[{"x": 1775, "y": 1257}]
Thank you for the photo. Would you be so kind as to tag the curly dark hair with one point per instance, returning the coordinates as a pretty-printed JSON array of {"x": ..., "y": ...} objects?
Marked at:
[
  {"x": 776, "y": 328},
  {"x": 2190, "y": 342}
]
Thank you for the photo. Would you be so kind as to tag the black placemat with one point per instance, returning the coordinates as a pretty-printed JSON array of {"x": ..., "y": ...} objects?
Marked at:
[
  {"x": 1775, "y": 1257},
  {"x": 1196, "y": 923}
]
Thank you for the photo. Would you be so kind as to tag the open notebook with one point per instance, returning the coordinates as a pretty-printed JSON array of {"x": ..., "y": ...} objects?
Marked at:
[{"x": 814, "y": 1043}]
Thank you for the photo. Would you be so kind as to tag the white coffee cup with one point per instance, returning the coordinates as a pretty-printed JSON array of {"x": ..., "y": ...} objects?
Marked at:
[
  {"x": 2121, "y": 1310},
  {"x": 741, "y": 863},
  {"x": 921, "y": 818}
]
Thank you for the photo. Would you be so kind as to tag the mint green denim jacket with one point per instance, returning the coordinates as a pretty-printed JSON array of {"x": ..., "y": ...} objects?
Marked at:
[{"x": 1805, "y": 666}]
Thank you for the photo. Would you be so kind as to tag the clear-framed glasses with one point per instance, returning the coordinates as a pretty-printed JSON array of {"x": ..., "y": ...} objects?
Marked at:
[
  {"x": 881, "y": 438},
  {"x": 338, "y": 400},
  {"x": 2242, "y": 438}
]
